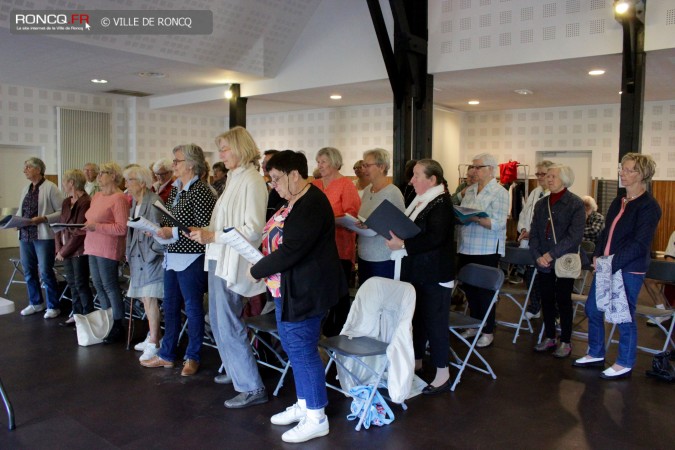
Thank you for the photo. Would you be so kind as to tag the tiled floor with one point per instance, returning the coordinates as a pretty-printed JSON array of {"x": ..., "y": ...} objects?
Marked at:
[{"x": 99, "y": 397}]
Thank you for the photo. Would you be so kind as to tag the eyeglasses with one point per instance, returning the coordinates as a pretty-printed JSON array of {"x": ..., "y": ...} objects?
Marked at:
[
  {"x": 475, "y": 167},
  {"x": 131, "y": 179},
  {"x": 105, "y": 172},
  {"x": 275, "y": 181},
  {"x": 176, "y": 161},
  {"x": 366, "y": 165},
  {"x": 161, "y": 174},
  {"x": 540, "y": 174},
  {"x": 626, "y": 171}
]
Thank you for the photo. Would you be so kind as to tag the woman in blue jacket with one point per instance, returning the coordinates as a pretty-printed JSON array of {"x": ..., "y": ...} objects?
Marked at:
[{"x": 629, "y": 230}]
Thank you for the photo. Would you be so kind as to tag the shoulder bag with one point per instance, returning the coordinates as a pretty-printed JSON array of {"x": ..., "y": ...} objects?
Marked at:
[
  {"x": 92, "y": 328},
  {"x": 569, "y": 264}
]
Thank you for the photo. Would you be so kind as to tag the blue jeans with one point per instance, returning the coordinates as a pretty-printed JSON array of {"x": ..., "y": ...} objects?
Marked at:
[
  {"x": 367, "y": 269},
  {"x": 38, "y": 255},
  {"x": 231, "y": 334},
  {"x": 105, "y": 276},
  {"x": 76, "y": 270},
  {"x": 189, "y": 285},
  {"x": 627, "y": 331},
  {"x": 300, "y": 340}
]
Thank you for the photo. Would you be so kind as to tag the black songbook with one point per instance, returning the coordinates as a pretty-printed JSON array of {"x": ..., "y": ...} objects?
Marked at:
[
  {"x": 170, "y": 217},
  {"x": 387, "y": 217}
]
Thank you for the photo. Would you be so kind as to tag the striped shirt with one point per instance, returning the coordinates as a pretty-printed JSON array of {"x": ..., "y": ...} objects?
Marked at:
[{"x": 475, "y": 239}]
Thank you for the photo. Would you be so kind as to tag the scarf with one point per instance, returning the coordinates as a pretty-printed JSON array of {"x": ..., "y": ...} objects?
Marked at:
[
  {"x": 421, "y": 201},
  {"x": 610, "y": 295}
]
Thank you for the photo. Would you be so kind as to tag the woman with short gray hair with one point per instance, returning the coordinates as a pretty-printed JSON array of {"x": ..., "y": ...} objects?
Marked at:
[
  {"x": 557, "y": 229},
  {"x": 70, "y": 244},
  {"x": 41, "y": 202}
]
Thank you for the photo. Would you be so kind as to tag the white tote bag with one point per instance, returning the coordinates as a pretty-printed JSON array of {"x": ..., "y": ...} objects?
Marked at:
[{"x": 92, "y": 328}]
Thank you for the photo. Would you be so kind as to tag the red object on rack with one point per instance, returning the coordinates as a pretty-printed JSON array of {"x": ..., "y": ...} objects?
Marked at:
[{"x": 508, "y": 172}]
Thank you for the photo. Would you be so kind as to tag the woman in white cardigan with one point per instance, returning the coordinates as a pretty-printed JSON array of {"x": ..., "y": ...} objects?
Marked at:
[
  {"x": 242, "y": 206},
  {"x": 41, "y": 202}
]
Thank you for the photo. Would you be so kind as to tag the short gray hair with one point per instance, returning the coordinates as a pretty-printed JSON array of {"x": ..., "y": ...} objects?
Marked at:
[
  {"x": 194, "y": 158},
  {"x": 566, "y": 174},
  {"x": 94, "y": 165},
  {"x": 333, "y": 155},
  {"x": 77, "y": 177},
  {"x": 381, "y": 157},
  {"x": 590, "y": 202},
  {"x": 488, "y": 160},
  {"x": 36, "y": 162},
  {"x": 143, "y": 175},
  {"x": 545, "y": 164},
  {"x": 165, "y": 164}
]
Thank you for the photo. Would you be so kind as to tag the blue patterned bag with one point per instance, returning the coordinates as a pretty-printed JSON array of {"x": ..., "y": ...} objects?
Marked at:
[{"x": 378, "y": 414}]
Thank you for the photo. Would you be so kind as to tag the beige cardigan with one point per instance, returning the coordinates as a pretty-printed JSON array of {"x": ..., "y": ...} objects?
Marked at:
[
  {"x": 241, "y": 206},
  {"x": 50, "y": 200}
]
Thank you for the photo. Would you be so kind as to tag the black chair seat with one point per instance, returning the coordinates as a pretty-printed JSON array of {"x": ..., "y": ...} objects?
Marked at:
[
  {"x": 458, "y": 320},
  {"x": 267, "y": 323},
  {"x": 356, "y": 346}
]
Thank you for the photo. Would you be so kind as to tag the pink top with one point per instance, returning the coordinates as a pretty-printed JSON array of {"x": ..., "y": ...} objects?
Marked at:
[
  {"x": 110, "y": 214},
  {"x": 344, "y": 199}
]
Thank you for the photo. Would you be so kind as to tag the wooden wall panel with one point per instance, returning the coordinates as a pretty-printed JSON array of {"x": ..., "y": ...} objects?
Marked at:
[{"x": 664, "y": 193}]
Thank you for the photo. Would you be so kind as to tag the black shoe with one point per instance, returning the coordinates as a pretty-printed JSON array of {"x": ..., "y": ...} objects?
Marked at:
[
  {"x": 116, "y": 334},
  {"x": 245, "y": 399},
  {"x": 431, "y": 390}
]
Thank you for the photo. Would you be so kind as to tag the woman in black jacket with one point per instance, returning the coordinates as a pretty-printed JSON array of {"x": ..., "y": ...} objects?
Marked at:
[
  {"x": 303, "y": 273},
  {"x": 429, "y": 266}
]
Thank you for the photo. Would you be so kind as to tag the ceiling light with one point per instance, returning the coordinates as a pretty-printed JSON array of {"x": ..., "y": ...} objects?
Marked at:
[
  {"x": 228, "y": 94},
  {"x": 335, "y": 97},
  {"x": 621, "y": 7},
  {"x": 96, "y": 80},
  {"x": 523, "y": 92},
  {"x": 596, "y": 72},
  {"x": 151, "y": 74},
  {"x": 474, "y": 102}
]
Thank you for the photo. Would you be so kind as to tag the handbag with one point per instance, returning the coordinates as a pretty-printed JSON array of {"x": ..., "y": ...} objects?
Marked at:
[
  {"x": 569, "y": 264},
  {"x": 93, "y": 327},
  {"x": 378, "y": 414},
  {"x": 662, "y": 368}
]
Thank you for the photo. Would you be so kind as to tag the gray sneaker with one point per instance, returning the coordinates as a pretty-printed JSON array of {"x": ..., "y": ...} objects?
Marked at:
[
  {"x": 546, "y": 345},
  {"x": 563, "y": 351},
  {"x": 223, "y": 379},
  {"x": 249, "y": 398}
]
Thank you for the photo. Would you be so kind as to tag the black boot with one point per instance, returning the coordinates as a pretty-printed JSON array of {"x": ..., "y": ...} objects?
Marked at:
[{"x": 116, "y": 333}]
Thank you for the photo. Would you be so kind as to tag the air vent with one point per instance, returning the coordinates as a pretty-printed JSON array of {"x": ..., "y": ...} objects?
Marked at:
[{"x": 128, "y": 93}]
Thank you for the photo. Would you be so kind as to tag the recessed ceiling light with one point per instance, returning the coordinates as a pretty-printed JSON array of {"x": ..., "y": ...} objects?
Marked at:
[
  {"x": 151, "y": 74},
  {"x": 621, "y": 7},
  {"x": 96, "y": 80},
  {"x": 596, "y": 72},
  {"x": 335, "y": 97},
  {"x": 474, "y": 102},
  {"x": 523, "y": 92}
]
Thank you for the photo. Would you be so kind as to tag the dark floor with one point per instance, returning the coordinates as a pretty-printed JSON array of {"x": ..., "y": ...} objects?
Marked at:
[{"x": 99, "y": 397}]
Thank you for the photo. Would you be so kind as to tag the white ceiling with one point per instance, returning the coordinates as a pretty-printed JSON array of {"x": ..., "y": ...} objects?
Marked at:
[{"x": 63, "y": 64}]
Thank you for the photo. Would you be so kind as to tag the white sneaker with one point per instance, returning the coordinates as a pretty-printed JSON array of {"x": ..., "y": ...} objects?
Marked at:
[
  {"x": 471, "y": 332},
  {"x": 141, "y": 345},
  {"x": 485, "y": 340},
  {"x": 32, "y": 309},
  {"x": 52, "y": 313},
  {"x": 531, "y": 315},
  {"x": 151, "y": 350},
  {"x": 293, "y": 413},
  {"x": 307, "y": 429}
]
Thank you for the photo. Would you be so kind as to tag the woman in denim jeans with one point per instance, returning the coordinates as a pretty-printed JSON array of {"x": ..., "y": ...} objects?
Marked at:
[
  {"x": 303, "y": 273},
  {"x": 630, "y": 226}
]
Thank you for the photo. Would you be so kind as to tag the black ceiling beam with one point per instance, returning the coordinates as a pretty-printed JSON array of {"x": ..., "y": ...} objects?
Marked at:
[{"x": 237, "y": 107}]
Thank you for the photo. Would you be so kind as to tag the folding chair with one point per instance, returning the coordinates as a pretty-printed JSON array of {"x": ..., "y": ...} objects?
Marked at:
[
  {"x": 517, "y": 256},
  {"x": 660, "y": 271},
  {"x": 482, "y": 277},
  {"x": 267, "y": 323},
  {"x": 18, "y": 269},
  {"x": 377, "y": 334}
]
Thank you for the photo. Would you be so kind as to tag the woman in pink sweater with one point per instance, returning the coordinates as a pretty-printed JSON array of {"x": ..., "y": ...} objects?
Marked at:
[{"x": 106, "y": 227}]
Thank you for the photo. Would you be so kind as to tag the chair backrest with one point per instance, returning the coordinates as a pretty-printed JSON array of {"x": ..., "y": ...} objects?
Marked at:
[
  {"x": 518, "y": 256},
  {"x": 480, "y": 276},
  {"x": 661, "y": 270},
  {"x": 381, "y": 305}
]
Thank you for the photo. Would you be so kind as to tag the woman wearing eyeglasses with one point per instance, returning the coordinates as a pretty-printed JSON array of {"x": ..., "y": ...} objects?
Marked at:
[
  {"x": 145, "y": 256},
  {"x": 163, "y": 171},
  {"x": 106, "y": 228},
  {"x": 374, "y": 256},
  {"x": 242, "y": 206},
  {"x": 630, "y": 226},
  {"x": 361, "y": 181},
  {"x": 482, "y": 240},
  {"x": 191, "y": 203}
]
